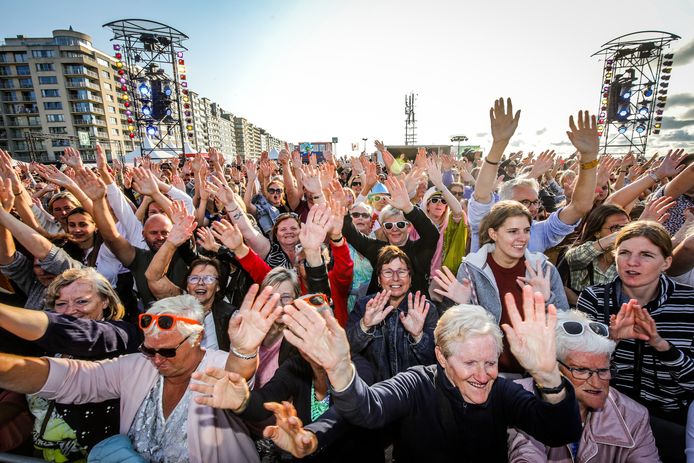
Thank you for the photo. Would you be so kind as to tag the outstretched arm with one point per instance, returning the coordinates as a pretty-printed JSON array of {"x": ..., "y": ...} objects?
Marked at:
[
  {"x": 504, "y": 124},
  {"x": 25, "y": 375},
  {"x": 24, "y": 323},
  {"x": 32, "y": 240}
]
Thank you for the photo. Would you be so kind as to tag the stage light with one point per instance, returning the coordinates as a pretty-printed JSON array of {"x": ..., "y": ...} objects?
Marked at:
[
  {"x": 658, "y": 118},
  {"x": 116, "y": 47},
  {"x": 665, "y": 77},
  {"x": 151, "y": 130},
  {"x": 131, "y": 135},
  {"x": 118, "y": 56},
  {"x": 128, "y": 113},
  {"x": 640, "y": 128},
  {"x": 179, "y": 54},
  {"x": 669, "y": 56},
  {"x": 662, "y": 98},
  {"x": 167, "y": 90},
  {"x": 657, "y": 125},
  {"x": 623, "y": 112},
  {"x": 648, "y": 92},
  {"x": 664, "y": 84},
  {"x": 121, "y": 72},
  {"x": 656, "y": 132},
  {"x": 643, "y": 110},
  {"x": 660, "y": 105},
  {"x": 622, "y": 129},
  {"x": 122, "y": 80},
  {"x": 119, "y": 64},
  {"x": 146, "y": 111},
  {"x": 145, "y": 90},
  {"x": 667, "y": 70},
  {"x": 667, "y": 63},
  {"x": 626, "y": 95}
]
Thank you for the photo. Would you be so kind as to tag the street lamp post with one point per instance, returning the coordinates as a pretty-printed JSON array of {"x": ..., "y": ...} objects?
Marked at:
[
  {"x": 458, "y": 138},
  {"x": 364, "y": 140}
]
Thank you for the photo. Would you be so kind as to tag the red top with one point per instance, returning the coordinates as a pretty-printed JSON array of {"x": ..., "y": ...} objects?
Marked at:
[
  {"x": 506, "y": 283},
  {"x": 340, "y": 277}
]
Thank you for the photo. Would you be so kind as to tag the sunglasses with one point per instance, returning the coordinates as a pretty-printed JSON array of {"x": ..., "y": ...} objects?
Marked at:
[
  {"x": 438, "y": 199},
  {"x": 355, "y": 184},
  {"x": 573, "y": 328},
  {"x": 457, "y": 194},
  {"x": 166, "y": 352},
  {"x": 274, "y": 191},
  {"x": 401, "y": 225},
  {"x": 319, "y": 300},
  {"x": 363, "y": 215},
  {"x": 207, "y": 279},
  {"x": 378, "y": 198},
  {"x": 164, "y": 321}
]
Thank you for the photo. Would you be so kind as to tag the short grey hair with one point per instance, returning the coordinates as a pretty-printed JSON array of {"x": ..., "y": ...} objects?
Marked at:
[
  {"x": 464, "y": 321},
  {"x": 279, "y": 275},
  {"x": 587, "y": 342},
  {"x": 389, "y": 211},
  {"x": 506, "y": 190},
  {"x": 366, "y": 207},
  {"x": 183, "y": 306}
]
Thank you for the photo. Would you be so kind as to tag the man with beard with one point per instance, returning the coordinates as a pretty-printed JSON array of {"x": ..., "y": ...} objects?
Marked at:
[{"x": 155, "y": 232}]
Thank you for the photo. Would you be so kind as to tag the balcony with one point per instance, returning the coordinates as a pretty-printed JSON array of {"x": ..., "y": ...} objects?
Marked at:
[
  {"x": 78, "y": 108},
  {"x": 88, "y": 120},
  {"x": 86, "y": 96},
  {"x": 9, "y": 97},
  {"x": 5, "y": 84},
  {"x": 90, "y": 85},
  {"x": 80, "y": 71},
  {"x": 22, "y": 109}
]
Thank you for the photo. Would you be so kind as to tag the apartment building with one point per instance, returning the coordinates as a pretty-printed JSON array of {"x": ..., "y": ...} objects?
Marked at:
[{"x": 59, "y": 91}]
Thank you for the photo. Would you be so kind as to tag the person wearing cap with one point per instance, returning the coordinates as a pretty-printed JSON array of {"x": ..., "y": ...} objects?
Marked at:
[
  {"x": 378, "y": 197},
  {"x": 157, "y": 412},
  {"x": 615, "y": 427}
]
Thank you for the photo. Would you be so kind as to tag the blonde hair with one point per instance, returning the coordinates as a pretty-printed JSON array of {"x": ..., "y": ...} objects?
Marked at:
[
  {"x": 465, "y": 321},
  {"x": 183, "y": 306},
  {"x": 114, "y": 310}
]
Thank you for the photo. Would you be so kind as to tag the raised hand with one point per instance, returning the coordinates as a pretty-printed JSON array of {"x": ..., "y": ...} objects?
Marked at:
[
  {"x": 284, "y": 156},
  {"x": 183, "y": 225},
  {"x": 607, "y": 165},
  {"x": 71, "y": 157},
  {"x": 8, "y": 171},
  {"x": 399, "y": 198},
  {"x": 657, "y": 209},
  {"x": 543, "y": 164},
  {"x": 627, "y": 161},
  {"x": 623, "y": 324},
  {"x": 6, "y": 194},
  {"x": 52, "y": 174},
  {"x": 250, "y": 324},
  {"x": 288, "y": 432},
  {"x": 645, "y": 324},
  {"x": 337, "y": 217},
  {"x": 420, "y": 159},
  {"x": 311, "y": 179},
  {"x": 198, "y": 162},
  {"x": 144, "y": 181},
  {"x": 413, "y": 320},
  {"x": 313, "y": 232},
  {"x": 316, "y": 334},
  {"x": 296, "y": 159},
  {"x": 450, "y": 287},
  {"x": 206, "y": 239},
  {"x": 671, "y": 165},
  {"x": 435, "y": 174},
  {"x": 532, "y": 338},
  {"x": 376, "y": 311},
  {"x": 584, "y": 136},
  {"x": 223, "y": 191},
  {"x": 218, "y": 388},
  {"x": 326, "y": 173},
  {"x": 537, "y": 279},
  {"x": 503, "y": 122},
  {"x": 91, "y": 185},
  {"x": 227, "y": 233}
]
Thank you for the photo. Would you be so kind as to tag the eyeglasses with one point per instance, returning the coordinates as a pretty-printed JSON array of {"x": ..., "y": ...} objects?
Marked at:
[
  {"x": 388, "y": 273},
  {"x": 207, "y": 279},
  {"x": 164, "y": 321},
  {"x": 286, "y": 299},
  {"x": 318, "y": 300},
  {"x": 458, "y": 194},
  {"x": 377, "y": 198},
  {"x": 363, "y": 215},
  {"x": 355, "y": 184},
  {"x": 438, "y": 199},
  {"x": 274, "y": 191},
  {"x": 401, "y": 225},
  {"x": 573, "y": 328},
  {"x": 586, "y": 373},
  {"x": 527, "y": 203},
  {"x": 614, "y": 228},
  {"x": 166, "y": 352}
]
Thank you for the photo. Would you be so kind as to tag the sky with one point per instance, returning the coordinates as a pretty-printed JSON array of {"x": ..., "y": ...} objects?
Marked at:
[{"x": 310, "y": 70}]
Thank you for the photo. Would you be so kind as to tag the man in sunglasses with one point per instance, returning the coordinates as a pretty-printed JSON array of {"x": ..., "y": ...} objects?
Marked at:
[
  {"x": 157, "y": 413},
  {"x": 615, "y": 427}
]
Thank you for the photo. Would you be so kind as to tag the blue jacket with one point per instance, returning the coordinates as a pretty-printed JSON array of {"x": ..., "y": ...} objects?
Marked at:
[{"x": 388, "y": 346}]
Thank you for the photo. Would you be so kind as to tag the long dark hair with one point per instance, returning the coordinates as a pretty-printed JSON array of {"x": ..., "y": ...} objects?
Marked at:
[
  {"x": 596, "y": 219},
  {"x": 75, "y": 251}
]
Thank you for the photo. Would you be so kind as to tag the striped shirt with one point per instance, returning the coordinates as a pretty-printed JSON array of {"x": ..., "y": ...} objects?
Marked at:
[{"x": 666, "y": 378}]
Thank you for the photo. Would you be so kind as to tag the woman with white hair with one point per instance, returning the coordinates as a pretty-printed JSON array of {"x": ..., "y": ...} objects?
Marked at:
[
  {"x": 615, "y": 427},
  {"x": 456, "y": 409}
]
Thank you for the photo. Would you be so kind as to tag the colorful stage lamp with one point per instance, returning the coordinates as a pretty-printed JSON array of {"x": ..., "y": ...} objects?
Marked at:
[
  {"x": 145, "y": 90},
  {"x": 152, "y": 130},
  {"x": 119, "y": 56},
  {"x": 116, "y": 46},
  {"x": 622, "y": 129},
  {"x": 131, "y": 135},
  {"x": 643, "y": 111},
  {"x": 146, "y": 111},
  {"x": 640, "y": 128},
  {"x": 167, "y": 90}
]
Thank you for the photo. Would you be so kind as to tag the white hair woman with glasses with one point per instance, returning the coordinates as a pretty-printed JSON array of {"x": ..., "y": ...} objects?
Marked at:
[
  {"x": 615, "y": 427},
  {"x": 157, "y": 414},
  {"x": 363, "y": 220}
]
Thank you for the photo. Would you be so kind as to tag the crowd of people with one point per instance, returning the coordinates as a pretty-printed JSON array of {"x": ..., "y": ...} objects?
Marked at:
[{"x": 499, "y": 307}]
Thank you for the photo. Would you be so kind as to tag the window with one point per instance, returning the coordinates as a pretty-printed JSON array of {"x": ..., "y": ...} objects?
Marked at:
[
  {"x": 25, "y": 83},
  {"x": 42, "y": 67},
  {"x": 112, "y": 120},
  {"x": 50, "y": 93},
  {"x": 60, "y": 143},
  {"x": 20, "y": 57},
  {"x": 115, "y": 132},
  {"x": 48, "y": 80},
  {"x": 57, "y": 130},
  {"x": 55, "y": 118},
  {"x": 42, "y": 53},
  {"x": 111, "y": 109},
  {"x": 5, "y": 71},
  {"x": 52, "y": 105},
  {"x": 23, "y": 70},
  {"x": 108, "y": 86},
  {"x": 102, "y": 62},
  {"x": 4, "y": 57},
  {"x": 110, "y": 98},
  {"x": 105, "y": 74}
]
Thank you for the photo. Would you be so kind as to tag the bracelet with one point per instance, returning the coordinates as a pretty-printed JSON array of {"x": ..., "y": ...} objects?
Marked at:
[
  {"x": 600, "y": 245},
  {"x": 654, "y": 176},
  {"x": 490, "y": 162},
  {"x": 337, "y": 240},
  {"x": 551, "y": 390},
  {"x": 238, "y": 354},
  {"x": 590, "y": 165}
]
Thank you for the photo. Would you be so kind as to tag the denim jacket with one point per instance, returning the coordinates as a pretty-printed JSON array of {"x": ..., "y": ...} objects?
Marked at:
[{"x": 388, "y": 346}]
